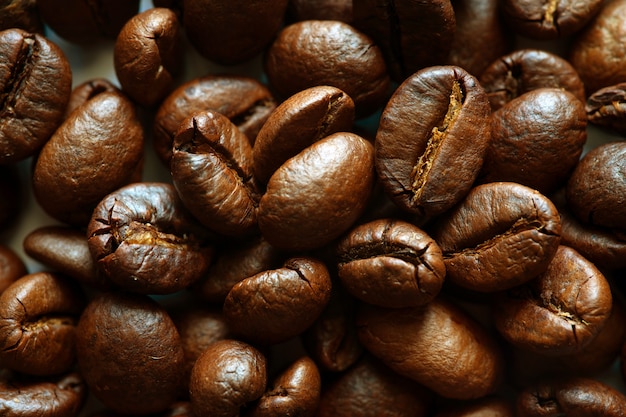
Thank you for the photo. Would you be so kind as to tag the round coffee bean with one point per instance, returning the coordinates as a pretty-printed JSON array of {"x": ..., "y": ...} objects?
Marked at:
[{"x": 12, "y": 267}]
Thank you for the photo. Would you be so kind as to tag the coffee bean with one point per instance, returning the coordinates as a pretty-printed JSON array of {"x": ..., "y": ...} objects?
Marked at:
[
  {"x": 22, "y": 14},
  {"x": 12, "y": 267},
  {"x": 607, "y": 108},
  {"x": 87, "y": 90}
]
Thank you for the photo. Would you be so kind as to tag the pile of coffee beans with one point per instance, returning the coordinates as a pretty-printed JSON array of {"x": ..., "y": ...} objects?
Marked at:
[{"x": 348, "y": 208}]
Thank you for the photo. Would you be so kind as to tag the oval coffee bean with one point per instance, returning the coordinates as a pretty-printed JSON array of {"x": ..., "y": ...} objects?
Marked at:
[
  {"x": 607, "y": 108},
  {"x": 144, "y": 240},
  {"x": 298, "y": 122},
  {"x": 12, "y": 267},
  {"x": 427, "y": 164},
  {"x": 229, "y": 375},
  {"x": 212, "y": 171},
  {"x": 318, "y": 194},
  {"x": 560, "y": 311},
  {"x": 36, "y": 81},
  {"x": 390, "y": 263},
  {"x": 38, "y": 316},
  {"x": 130, "y": 353},
  {"x": 500, "y": 236},
  {"x": 276, "y": 305},
  {"x": 437, "y": 345}
]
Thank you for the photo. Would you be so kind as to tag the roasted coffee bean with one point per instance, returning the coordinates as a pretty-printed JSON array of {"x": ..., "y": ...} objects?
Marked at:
[
  {"x": 560, "y": 311},
  {"x": 212, "y": 170},
  {"x": 65, "y": 249},
  {"x": 294, "y": 392},
  {"x": 130, "y": 353},
  {"x": 244, "y": 100},
  {"x": 95, "y": 151},
  {"x": 148, "y": 55},
  {"x": 298, "y": 122},
  {"x": 437, "y": 344},
  {"x": 12, "y": 267},
  {"x": 594, "y": 190},
  {"x": 390, "y": 263},
  {"x": 524, "y": 70},
  {"x": 371, "y": 389},
  {"x": 232, "y": 32},
  {"x": 536, "y": 140},
  {"x": 549, "y": 20},
  {"x": 88, "y": 90},
  {"x": 427, "y": 164},
  {"x": 328, "y": 52},
  {"x": 273, "y": 306},
  {"x": 63, "y": 396},
  {"x": 35, "y": 81},
  {"x": 144, "y": 240},
  {"x": 607, "y": 108},
  {"x": 412, "y": 35},
  {"x": 229, "y": 375},
  {"x": 86, "y": 22},
  {"x": 38, "y": 316},
  {"x": 22, "y": 14},
  {"x": 571, "y": 397},
  {"x": 11, "y": 196},
  {"x": 298, "y": 10},
  {"x": 318, "y": 194},
  {"x": 501, "y": 235},
  {"x": 598, "y": 52}
]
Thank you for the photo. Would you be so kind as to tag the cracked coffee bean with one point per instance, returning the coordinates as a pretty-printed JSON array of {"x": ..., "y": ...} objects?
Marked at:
[{"x": 607, "y": 108}]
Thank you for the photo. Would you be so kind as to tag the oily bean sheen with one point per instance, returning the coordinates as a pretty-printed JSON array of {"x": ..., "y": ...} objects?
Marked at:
[
  {"x": 95, "y": 151},
  {"x": 212, "y": 171},
  {"x": 232, "y": 32},
  {"x": 328, "y": 52},
  {"x": 318, "y": 194},
  {"x": 62, "y": 396},
  {"x": 501, "y": 235},
  {"x": 228, "y": 375},
  {"x": 130, "y": 353},
  {"x": 144, "y": 240},
  {"x": 148, "y": 55},
  {"x": 298, "y": 122},
  {"x": 412, "y": 34},
  {"x": 524, "y": 70},
  {"x": 245, "y": 101},
  {"x": 576, "y": 397},
  {"x": 391, "y": 263},
  {"x": 437, "y": 345},
  {"x": 35, "y": 85},
  {"x": 560, "y": 311},
  {"x": 38, "y": 315},
  {"x": 428, "y": 163},
  {"x": 607, "y": 108},
  {"x": 536, "y": 140},
  {"x": 276, "y": 305},
  {"x": 88, "y": 90},
  {"x": 12, "y": 267}
]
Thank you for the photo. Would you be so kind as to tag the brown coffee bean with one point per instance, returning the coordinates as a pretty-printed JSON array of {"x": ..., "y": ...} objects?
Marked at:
[
  {"x": 244, "y": 100},
  {"x": 525, "y": 70},
  {"x": 233, "y": 32},
  {"x": 229, "y": 375},
  {"x": 571, "y": 397},
  {"x": 298, "y": 10},
  {"x": 328, "y": 52},
  {"x": 437, "y": 345},
  {"x": 22, "y": 14},
  {"x": 607, "y": 108},
  {"x": 212, "y": 171},
  {"x": 318, "y": 194},
  {"x": 298, "y": 122},
  {"x": 63, "y": 396},
  {"x": 276, "y": 305},
  {"x": 65, "y": 249},
  {"x": 142, "y": 238},
  {"x": 390, "y": 263},
  {"x": 148, "y": 55},
  {"x": 560, "y": 311},
  {"x": 427, "y": 164},
  {"x": 12, "y": 267},
  {"x": 536, "y": 140},
  {"x": 501, "y": 235},
  {"x": 36, "y": 80},
  {"x": 38, "y": 315},
  {"x": 86, "y": 22},
  {"x": 130, "y": 353},
  {"x": 95, "y": 151},
  {"x": 294, "y": 392},
  {"x": 88, "y": 90},
  {"x": 412, "y": 35}
]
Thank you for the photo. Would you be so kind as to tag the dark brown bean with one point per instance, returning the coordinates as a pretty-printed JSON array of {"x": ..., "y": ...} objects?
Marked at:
[
  {"x": 12, "y": 267},
  {"x": 88, "y": 90},
  {"x": 21, "y": 14},
  {"x": 607, "y": 108}
]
